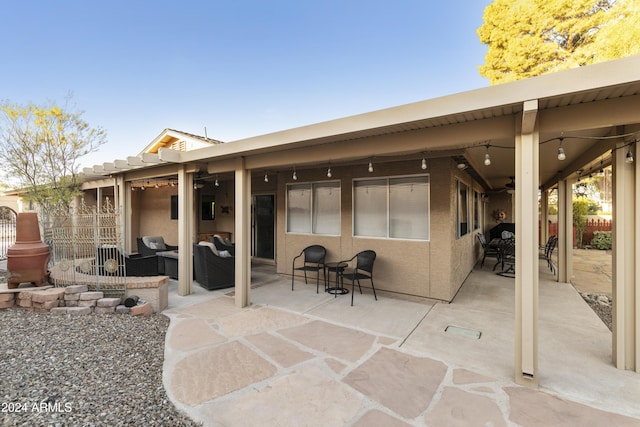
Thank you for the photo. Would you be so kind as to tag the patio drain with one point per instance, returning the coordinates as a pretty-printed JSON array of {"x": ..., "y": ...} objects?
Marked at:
[{"x": 465, "y": 332}]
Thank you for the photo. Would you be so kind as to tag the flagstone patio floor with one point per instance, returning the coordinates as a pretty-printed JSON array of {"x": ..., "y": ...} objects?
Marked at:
[{"x": 306, "y": 359}]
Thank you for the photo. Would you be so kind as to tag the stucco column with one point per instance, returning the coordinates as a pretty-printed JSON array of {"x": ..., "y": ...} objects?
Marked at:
[
  {"x": 527, "y": 264},
  {"x": 186, "y": 230},
  {"x": 243, "y": 234},
  {"x": 565, "y": 231},
  {"x": 625, "y": 289}
]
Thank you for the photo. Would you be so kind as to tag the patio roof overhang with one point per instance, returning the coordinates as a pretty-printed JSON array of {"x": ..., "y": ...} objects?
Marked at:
[{"x": 584, "y": 106}]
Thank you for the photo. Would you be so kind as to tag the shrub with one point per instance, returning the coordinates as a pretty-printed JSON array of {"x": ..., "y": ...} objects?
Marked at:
[{"x": 601, "y": 240}]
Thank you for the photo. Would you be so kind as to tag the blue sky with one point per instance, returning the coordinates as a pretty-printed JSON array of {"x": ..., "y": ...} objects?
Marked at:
[{"x": 239, "y": 68}]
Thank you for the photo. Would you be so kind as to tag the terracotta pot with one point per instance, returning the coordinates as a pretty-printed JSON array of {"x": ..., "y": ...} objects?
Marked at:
[{"x": 27, "y": 259}]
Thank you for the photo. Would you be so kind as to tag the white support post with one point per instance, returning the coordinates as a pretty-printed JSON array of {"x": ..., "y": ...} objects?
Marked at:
[
  {"x": 544, "y": 218},
  {"x": 120, "y": 192},
  {"x": 186, "y": 230},
  {"x": 527, "y": 264},
  {"x": 565, "y": 231},
  {"x": 626, "y": 288},
  {"x": 99, "y": 199},
  {"x": 242, "y": 234}
]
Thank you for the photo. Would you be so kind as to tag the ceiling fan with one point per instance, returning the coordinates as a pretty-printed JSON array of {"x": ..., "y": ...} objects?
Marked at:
[{"x": 510, "y": 187}]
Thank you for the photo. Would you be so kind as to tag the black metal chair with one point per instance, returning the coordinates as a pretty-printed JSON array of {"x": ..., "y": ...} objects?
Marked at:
[
  {"x": 363, "y": 270},
  {"x": 212, "y": 271},
  {"x": 488, "y": 251},
  {"x": 507, "y": 255},
  {"x": 313, "y": 261},
  {"x": 548, "y": 249}
]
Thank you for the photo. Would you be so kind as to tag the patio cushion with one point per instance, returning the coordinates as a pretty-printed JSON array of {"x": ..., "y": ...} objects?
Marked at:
[
  {"x": 154, "y": 242},
  {"x": 211, "y": 246}
]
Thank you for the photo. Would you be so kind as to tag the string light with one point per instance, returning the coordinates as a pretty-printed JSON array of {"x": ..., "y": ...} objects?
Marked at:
[
  {"x": 487, "y": 157},
  {"x": 561, "y": 155},
  {"x": 424, "y": 164},
  {"x": 629, "y": 158},
  {"x": 370, "y": 167},
  {"x": 295, "y": 175},
  {"x": 216, "y": 183},
  {"x": 266, "y": 177},
  {"x": 329, "y": 175}
]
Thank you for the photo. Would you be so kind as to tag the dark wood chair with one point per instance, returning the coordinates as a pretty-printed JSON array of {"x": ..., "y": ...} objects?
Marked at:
[{"x": 313, "y": 261}]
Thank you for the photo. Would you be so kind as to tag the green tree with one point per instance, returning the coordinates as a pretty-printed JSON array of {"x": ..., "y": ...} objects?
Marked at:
[
  {"x": 620, "y": 36},
  {"x": 40, "y": 147},
  {"x": 534, "y": 37},
  {"x": 580, "y": 211}
]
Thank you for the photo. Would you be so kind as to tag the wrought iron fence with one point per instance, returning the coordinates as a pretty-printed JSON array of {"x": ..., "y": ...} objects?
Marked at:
[
  {"x": 7, "y": 230},
  {"x": 86, "y": 247}
]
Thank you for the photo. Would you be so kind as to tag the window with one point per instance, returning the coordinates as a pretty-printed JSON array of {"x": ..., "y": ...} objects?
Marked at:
[
  {"x": 462, "y": 208},
  {"x": 477, "y": 206},
  {"x": 392, "y": 207},
  {"x": 174, "y": 207},
  {"x": 314, "y": 208}
]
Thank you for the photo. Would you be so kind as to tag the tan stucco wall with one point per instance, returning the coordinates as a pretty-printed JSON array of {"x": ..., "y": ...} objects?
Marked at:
[
  {"x": 433, "y": 269},
  {"x": 224, "y": 195},
  {"x": 464, "y": 249},
  {"x": 152, "y": 214},
  {"x": 498, "y": 200},
  {"x": 442, "y": 229},
  {"x": 12, "y": 202}
]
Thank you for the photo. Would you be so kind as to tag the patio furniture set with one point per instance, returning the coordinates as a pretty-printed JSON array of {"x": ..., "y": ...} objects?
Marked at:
[
  {"x": 313, "y": 259},
  {"x": 213, "y": 262},
  {"x": 503, "y": 249}
]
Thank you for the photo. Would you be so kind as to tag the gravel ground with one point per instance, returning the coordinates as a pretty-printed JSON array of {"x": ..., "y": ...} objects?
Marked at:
[
  {"x": 95, "y": 370},
  {"x": 603, "y": 312}
]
